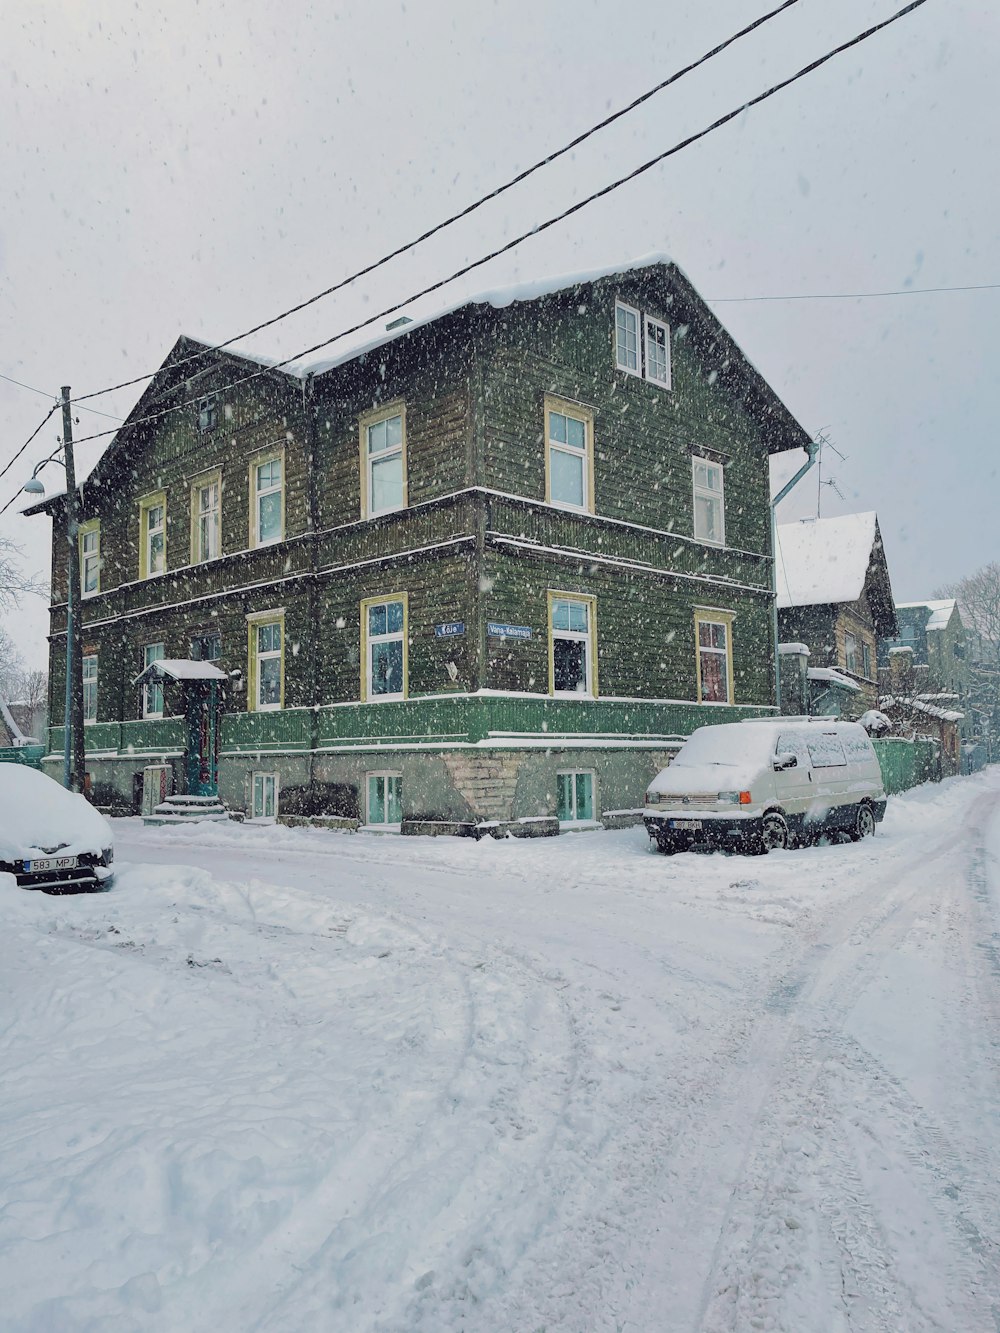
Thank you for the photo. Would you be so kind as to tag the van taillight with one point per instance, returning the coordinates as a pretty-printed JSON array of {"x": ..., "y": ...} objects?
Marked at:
[{"x": 744, "y": 798}]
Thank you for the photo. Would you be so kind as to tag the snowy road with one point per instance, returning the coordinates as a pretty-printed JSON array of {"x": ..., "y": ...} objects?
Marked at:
[{"x": 292, "y": 1081}]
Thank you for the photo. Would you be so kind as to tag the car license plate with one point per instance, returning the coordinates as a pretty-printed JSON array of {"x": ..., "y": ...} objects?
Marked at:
[
  {"x": 685, "y": 823},
  {"x": 51, "y": 863}
]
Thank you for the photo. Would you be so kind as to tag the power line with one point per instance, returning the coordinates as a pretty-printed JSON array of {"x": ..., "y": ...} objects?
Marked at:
[
  {"x": 42, "y": 394},
  {"x": 855, "y": 296},
  {"x": 544, "y": 226},
  {"x": 7, "y": 467},
  {"x": 471, "y": 208}
]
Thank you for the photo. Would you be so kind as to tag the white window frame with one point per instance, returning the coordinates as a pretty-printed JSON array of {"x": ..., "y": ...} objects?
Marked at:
[
  {"x": 257, "y": 494},
  {"x": 89, "y": 688},
  {"x": 573, "y": 774},
  {"x": 385, "y": 774},
  {"x": 268, "y": 655},
  {"x": 369, "y": 641},
  {"x": 648, "y": 322},
  {"x": 208, "y": 412},
  {"x": 147, "y": 532},
  {"x": 92, "y": 528},
  {"x": 198, "y": 487},
  {"x": 707, "y": 493},
  {"x": 640, "y": 336},
  {"x": 587, "y": 637},
  {"x": 264, "y": 776},
  {"x": 576, "y": 412},
  {"x": 367, "y": 423},
  {"x": 155, "y": 686}
]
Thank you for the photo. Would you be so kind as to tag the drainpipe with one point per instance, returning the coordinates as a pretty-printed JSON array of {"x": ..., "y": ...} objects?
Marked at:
[{"x": 812, "y": 453}]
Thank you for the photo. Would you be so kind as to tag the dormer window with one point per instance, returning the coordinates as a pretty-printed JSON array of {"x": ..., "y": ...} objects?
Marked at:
[{"x": 207, "y": 413}]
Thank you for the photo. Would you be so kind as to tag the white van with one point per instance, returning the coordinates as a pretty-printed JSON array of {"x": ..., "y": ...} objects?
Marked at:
[{"x": 764, "y": 784}]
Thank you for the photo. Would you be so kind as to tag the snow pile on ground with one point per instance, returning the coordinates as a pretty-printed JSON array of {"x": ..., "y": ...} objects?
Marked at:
[{"x": 353, "y": 1083}]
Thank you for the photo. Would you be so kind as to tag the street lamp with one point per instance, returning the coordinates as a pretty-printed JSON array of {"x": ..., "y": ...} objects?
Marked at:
[{"x": 74, "y": 762}]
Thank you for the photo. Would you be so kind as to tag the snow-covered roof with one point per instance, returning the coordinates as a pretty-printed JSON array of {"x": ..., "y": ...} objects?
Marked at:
[
  {"x": 181, "y": 668},
  {"x": 830, "y": 676},
  {"x": 499, "y": 298},
  {"x": 928, "y": 710},
  {"x": 824, "y": 560},
  {"x": 941, "y": 612}
]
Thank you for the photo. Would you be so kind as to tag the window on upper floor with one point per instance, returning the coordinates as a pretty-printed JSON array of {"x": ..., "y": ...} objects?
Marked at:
[
  {"x": 267, "y": 496},
  {"x": 866, "y": 660},
  {"x": 152, "y": 691},
  {"x": 206, "y": 518},
  {"x": 90, "y": 557},
  {"x": 572, "y": 644},
  {"x": 208, "y": 413},
  {"x": 709, "y": 501},
  {"x": 206, "y": 647},
  {"x": 152, "y": 535},
  {"x": 569, "y": 454},
  {"x": 851, "y": 652},
  {"x": 384, "y": 649},
  {"x": 713, "y": 637},
  {"x": 90, "y": 688},
  {"x": 383, "y": 460},
  {"x": 642, "y": 345},
  {"x": 266, "y": 652}
]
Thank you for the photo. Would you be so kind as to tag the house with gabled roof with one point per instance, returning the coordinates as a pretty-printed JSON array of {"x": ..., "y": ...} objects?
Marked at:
[
  {"x": 486, "y": 570},
  {"x": 835, "y": 598}
]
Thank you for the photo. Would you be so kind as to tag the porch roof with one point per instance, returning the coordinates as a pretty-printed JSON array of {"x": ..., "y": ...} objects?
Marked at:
[{"x": 180, "y": 668}]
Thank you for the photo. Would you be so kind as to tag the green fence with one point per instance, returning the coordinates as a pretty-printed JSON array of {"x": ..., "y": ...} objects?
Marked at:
[
  {"x": 30, "y": 755},
  {"x": 907, "y": 764}
]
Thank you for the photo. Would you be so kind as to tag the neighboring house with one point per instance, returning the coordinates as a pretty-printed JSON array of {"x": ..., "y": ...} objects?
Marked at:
[
  {"x": 921, "y": 716},
  {"x": 16, "y": 728},
  {"x": 488, "y": 568},
  {"x": 937, "y": 636},
  {"x": 834, "y": 596}
]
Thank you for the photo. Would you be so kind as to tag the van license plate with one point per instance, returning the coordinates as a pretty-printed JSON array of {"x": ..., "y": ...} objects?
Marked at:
[
  {"x": 51, "y": 863},
  {"x": 685, "y": 823}
]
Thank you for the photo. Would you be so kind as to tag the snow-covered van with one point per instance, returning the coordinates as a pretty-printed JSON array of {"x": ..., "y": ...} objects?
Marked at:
[{"x": 760, "y": 785}]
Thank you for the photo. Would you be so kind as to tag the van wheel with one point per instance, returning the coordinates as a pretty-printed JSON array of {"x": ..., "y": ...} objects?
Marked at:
[
  {"x": 864, "y": 824},
  {"x": 774, "y": 833},
  {"x": 666, "y": 845}
]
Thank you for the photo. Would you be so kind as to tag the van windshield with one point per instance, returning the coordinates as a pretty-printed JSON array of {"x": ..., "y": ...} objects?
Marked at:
[{"x": 733, "y": 746}]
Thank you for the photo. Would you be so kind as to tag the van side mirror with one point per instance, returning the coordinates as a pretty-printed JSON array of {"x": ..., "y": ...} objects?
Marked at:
[{"x": 785, "y": 760}]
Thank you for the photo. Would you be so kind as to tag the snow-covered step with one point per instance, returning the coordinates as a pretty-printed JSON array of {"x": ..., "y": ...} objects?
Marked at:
[{"x": 182, "y": 809}]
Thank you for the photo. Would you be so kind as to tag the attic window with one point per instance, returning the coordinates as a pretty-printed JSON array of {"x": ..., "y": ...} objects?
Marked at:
[
  {"x": 208, "y": 413},
  {"x": 642, "y": 345}
]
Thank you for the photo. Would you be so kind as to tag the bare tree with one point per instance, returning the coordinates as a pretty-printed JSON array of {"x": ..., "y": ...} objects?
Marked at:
[
  {"x": 13, "y": 582},
  {"x": 979, "y": 603}
]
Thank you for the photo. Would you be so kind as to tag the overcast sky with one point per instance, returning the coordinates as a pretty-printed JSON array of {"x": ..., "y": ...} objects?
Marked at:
[{"x": 198, "y": 167}]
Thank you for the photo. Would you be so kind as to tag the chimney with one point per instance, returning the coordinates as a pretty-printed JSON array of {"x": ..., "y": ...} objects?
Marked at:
[{"x": 794, "y": 678}]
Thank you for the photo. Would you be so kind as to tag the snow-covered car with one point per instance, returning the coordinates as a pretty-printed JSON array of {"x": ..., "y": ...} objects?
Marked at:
[
  {"x": 51, "y": 839},
  {"x": 757, "y": 786}
]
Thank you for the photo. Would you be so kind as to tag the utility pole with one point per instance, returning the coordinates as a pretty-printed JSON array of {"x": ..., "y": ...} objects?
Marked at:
[{"x": 74, "y": 760}]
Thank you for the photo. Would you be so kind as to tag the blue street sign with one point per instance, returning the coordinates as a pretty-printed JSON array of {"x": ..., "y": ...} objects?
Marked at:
[
  {"x": 496, "y": 630},
  {"x": 449, "y": 629}
]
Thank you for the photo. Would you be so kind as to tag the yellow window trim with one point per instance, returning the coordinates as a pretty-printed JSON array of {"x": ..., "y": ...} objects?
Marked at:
[
  {"x": 146, "y": 503},
  {"x": 555, "y": 595},
  {"x": 403, "y": 597},
  {"x": 258, "y": 460},
  {"x": 372, "y": 418},
  {"x": 254, "y": 622},
  {"x": 708, "y": 615},
  {"x": 84, "y": 530},
  {"x": 201, "y": 480},
  {"x": 582, "y": 413}
]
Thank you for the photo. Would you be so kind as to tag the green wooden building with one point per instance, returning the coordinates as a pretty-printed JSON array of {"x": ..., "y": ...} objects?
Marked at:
[{"x": 485, "y": 571}]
